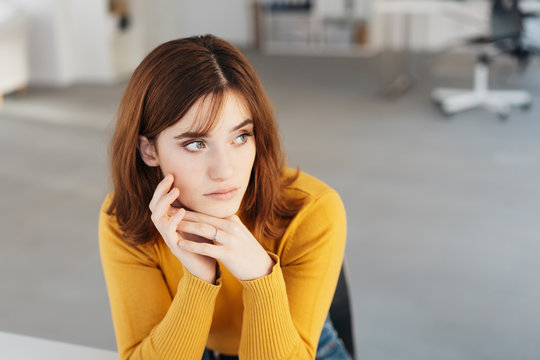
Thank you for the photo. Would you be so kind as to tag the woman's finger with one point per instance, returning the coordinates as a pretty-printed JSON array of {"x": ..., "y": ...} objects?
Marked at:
[
  {"x": 165, "y": 202},
  {"x": 202, "y": 229},
  {"x": 205, "y": 249},
  {"x": 171, "y": 236},
  {"x": 172, "y": 225},
  {"x": 162, "y": 188},
  {"x": 223, "y": 224},
  {"x": 172, "y": 210}
]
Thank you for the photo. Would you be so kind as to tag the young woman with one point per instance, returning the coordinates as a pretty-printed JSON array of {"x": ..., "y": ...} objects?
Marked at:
[{"x": 210, "y": 247}]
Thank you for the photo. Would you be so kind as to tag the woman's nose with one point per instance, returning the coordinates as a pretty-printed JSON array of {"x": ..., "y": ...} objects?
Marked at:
[{"x": 220, "y": 165}]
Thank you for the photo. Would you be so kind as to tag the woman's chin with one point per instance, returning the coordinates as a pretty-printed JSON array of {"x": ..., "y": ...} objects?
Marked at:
[
  {"x": 222, "y": 212},
  {"x": 219, "y": 210},
  {"x": 219, "y": 213}
]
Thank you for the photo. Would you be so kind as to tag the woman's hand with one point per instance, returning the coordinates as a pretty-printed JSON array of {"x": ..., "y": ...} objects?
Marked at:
[
  {"x": 167, "y": 220},
  {"x": 234, "y": 245}
]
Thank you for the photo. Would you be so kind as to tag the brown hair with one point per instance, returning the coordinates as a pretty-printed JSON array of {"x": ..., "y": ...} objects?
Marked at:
[{"x": 166, "y": 84}]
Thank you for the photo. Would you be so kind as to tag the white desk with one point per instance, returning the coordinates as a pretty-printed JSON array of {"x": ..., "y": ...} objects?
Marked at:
[
  {"x": 21, "y": 347},
  {"x": 426, "y": 25},
  {"x": 431, "y": 25}
]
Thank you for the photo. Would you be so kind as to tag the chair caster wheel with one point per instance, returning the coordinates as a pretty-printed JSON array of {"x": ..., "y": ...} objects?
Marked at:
[
  {"x": 526, "y": 107},
  {"x": 438, "y": 104},
  {"x": 503, "y": 116},
  {"x": 448, "y": 116}
]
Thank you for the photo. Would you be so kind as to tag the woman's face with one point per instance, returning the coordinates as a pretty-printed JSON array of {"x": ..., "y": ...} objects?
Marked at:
[{"x": 212, "y": 172}]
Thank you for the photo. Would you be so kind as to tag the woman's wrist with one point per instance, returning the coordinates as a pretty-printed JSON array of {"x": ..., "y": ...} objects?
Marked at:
[
  {"x": 269, "y": 266},
  {"x": 212, "y": 278},
  {"x": 265, "y": 268},
  {"x": 208, "y": 274}
]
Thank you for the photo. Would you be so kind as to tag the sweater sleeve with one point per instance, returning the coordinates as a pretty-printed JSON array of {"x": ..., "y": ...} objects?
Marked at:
[
  {"x": 284, "y": 312},
  {"x": 149, "y": 323}
]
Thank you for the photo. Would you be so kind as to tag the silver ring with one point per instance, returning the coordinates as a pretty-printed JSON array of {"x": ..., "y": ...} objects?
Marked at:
[{"x": 216, "y": 237}]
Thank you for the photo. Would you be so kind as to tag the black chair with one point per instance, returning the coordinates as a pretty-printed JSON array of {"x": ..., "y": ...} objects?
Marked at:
[
  {"x": 341, "y": 313},
  {"x": 506, "y": 37}
]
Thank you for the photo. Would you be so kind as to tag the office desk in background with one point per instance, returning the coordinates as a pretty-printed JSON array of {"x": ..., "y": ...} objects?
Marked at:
[
  {"x": 431, "y": 25},
  {"x": 403, "y": 27},
  {"x": 21, "y": 347}
]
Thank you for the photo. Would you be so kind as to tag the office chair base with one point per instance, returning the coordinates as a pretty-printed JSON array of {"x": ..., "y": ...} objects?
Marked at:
[
  {"x": 501, "y": 102},
  {"x": 452, "y": 101}
]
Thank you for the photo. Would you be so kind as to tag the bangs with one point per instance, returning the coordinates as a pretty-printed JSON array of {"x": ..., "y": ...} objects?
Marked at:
[{"x": 209, "y": 109}]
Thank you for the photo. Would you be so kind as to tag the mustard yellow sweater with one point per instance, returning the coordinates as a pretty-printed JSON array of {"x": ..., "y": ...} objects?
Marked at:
[{"x": 161, "y": 311}]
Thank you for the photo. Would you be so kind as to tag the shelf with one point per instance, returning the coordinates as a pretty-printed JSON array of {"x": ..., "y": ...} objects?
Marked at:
[{"x": 308, "y": 32}]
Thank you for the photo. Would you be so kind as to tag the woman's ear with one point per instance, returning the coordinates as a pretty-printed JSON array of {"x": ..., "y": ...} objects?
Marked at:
[{"x": 148, "y": 152}]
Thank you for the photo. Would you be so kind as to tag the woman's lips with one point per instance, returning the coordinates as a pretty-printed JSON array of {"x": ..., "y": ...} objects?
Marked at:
[{"x": 226, "y": 194}]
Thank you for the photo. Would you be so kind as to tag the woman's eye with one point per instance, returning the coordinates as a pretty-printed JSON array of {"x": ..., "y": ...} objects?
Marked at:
[
  {"x": 242, "y": 139},
  {"x": 194, "y": 146}
]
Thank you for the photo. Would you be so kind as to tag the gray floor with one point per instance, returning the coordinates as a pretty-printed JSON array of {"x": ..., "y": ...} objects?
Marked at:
[{"x": 444, "y": 237}]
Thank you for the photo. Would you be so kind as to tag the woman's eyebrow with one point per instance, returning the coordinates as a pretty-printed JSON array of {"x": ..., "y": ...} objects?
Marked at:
[
  {"x": 242, "y": 124},
  {"x": 191, "y": 135}
]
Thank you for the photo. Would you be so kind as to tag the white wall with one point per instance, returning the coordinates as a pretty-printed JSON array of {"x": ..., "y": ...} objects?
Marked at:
[
  {"x": 13, "y": 49},
  {"x": 91, "y": 30},
  {"x": 231, "y": 20},
  {"x": 78, "y": 40},
  {"x": 44, "y": 55},
  {"x": 432, "y": 25},
  {"x": 69, "y": 41}
]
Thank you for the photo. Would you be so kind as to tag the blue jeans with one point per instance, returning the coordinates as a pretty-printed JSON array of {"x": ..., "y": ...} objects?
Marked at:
[{"x": 330, "y": 346}]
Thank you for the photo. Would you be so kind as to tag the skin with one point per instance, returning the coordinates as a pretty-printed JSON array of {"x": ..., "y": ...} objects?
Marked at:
[{"x": 207, "y": 177}]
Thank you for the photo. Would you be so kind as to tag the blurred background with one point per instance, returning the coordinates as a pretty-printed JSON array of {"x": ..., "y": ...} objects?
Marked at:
[{"x": 443, "y": 205}]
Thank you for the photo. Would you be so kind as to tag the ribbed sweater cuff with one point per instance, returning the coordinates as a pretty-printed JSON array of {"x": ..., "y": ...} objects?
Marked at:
[
  {"x": 265, "y": 284},
  {"x": 193, "y": 304},
  {"x": 269, "y": 330}
]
